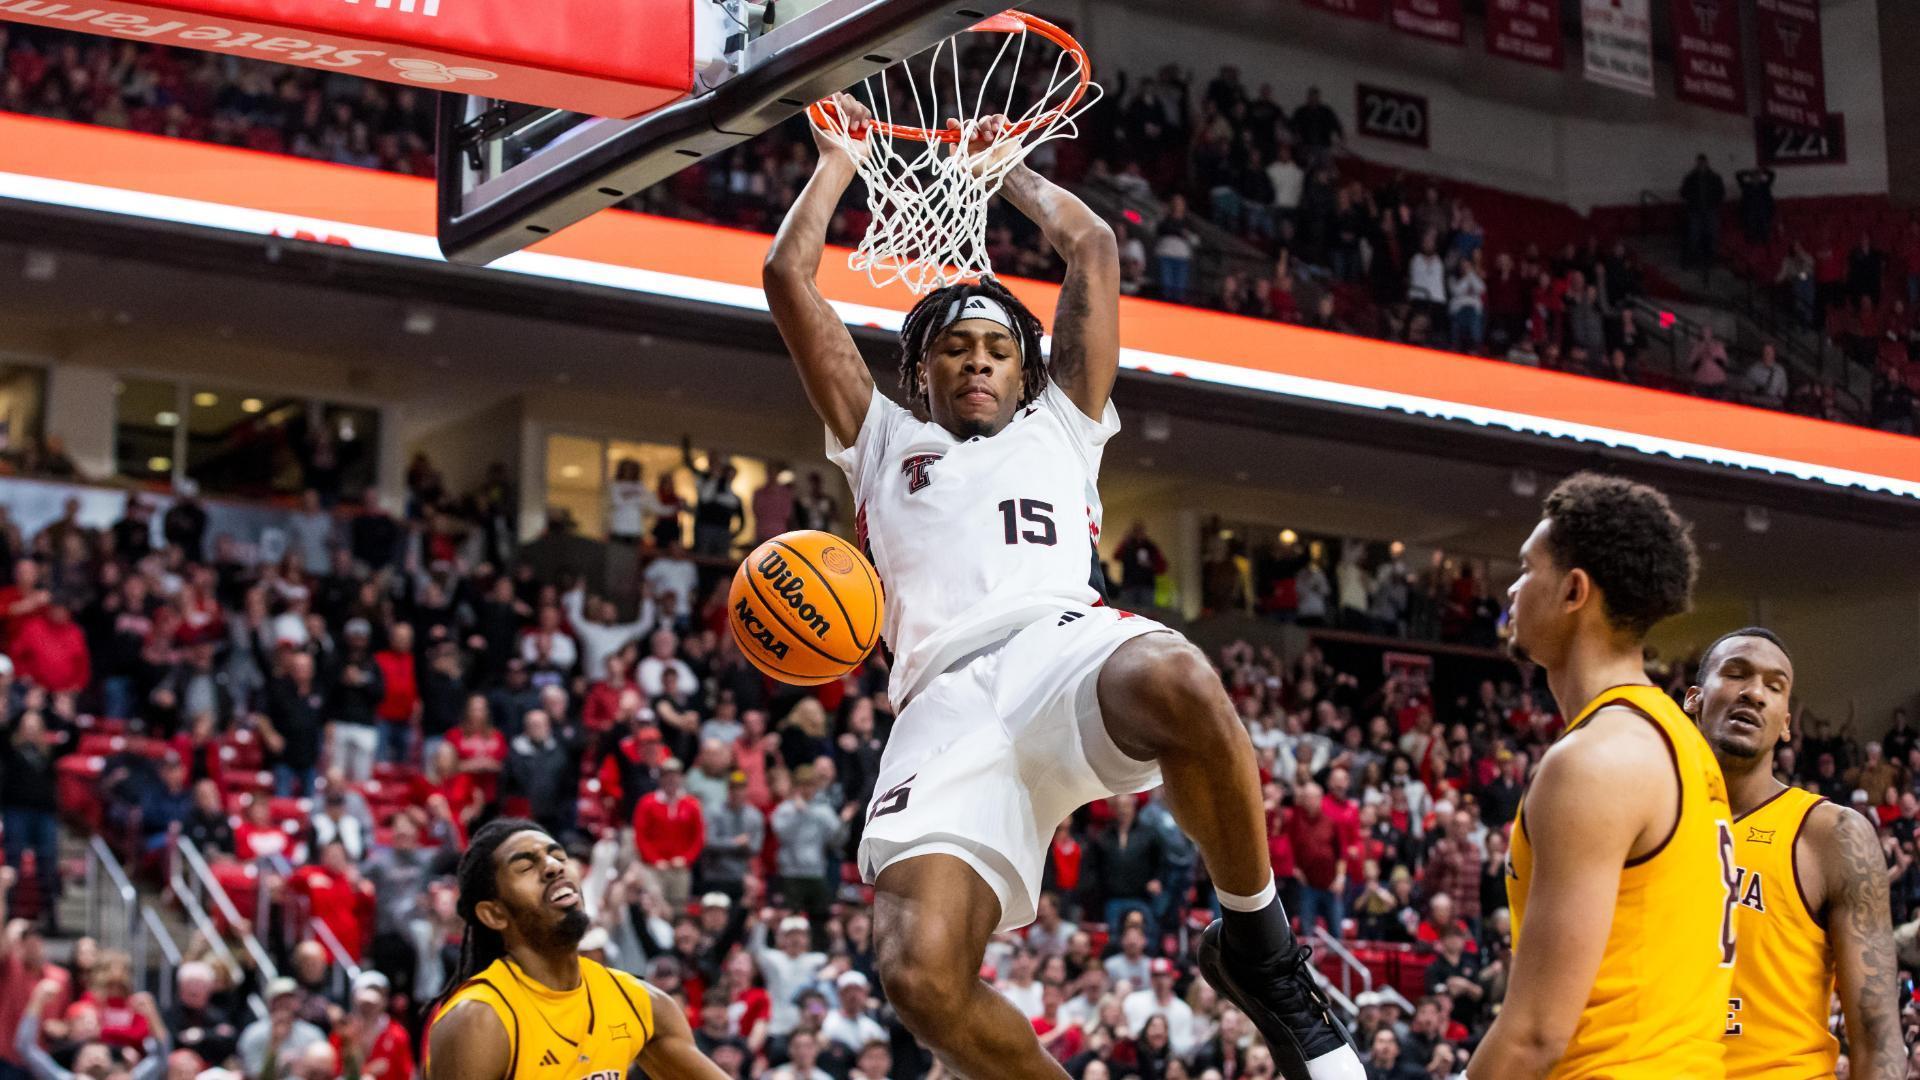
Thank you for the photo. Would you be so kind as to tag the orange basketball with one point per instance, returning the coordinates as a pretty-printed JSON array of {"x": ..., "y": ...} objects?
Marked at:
[{"x": 805, "y": 607}]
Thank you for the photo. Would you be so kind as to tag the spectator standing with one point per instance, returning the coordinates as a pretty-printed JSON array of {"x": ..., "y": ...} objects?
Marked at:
[
  {"x": 630, "y": 501},
  {"x": 1317, "y": 127},
  {"x": 1708, "y": 362},
  {"x": 1141, "y": 564},
  {"x": 597, "y": 629},
  {"x": 50, "y": 650},
  {"x": 1126, "y": 862},
  {"x": 815, "y": 509},
  {"x": 1454, "y": 866},
  {"x": 293, "y": 724},
  {"x": 673, "y": 581},
  {"x": 1287, "y": 179},
  {"x": 1866, "y": 270},
  {"x": 787, "y": 969},
  {"x": 1756, "y": 203},
  {"x": 670, "y": 832},
  {"x": 1175, "y": 244},
  {"x": 736, "y": 831},
  {"x": 1427, "y": 280},
  {"x": 1319, "y": 859},
  {"x": 1131, "y": 963},
  {"x": 718, "y": 514},
  {"x": 851, "y": 1025},
  {"x": 1466, "y": 305},
  {"x": 774, "y": 504},
  {"x": 1767, "y": 379},
  {"x": 806, "y": 828},
  {"x": 30, "y": 807},
  {"x": 1701, "y": 195},
  {"x": 356, "y": 693},
  {"x": 1157, "y": 999},
  {"x": 1586, "y": 321},
  {"x": 541, "y": 769},
  {"x": 374, "y": 536},
  {"x": 399, "y": 708}
]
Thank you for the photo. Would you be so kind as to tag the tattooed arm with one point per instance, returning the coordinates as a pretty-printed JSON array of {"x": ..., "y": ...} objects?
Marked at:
[
  {"x": 1853, "y": 881},
  {"x": 1086, "y": 324}
]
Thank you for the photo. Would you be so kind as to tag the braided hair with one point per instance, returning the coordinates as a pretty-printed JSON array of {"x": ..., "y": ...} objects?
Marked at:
[
  {"x": 480, "y": 944},
  {"x": 927, "y": 320}
]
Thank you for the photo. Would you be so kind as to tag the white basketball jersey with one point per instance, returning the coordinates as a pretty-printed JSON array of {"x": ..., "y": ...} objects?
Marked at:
[{"x": 979, "y": 537}]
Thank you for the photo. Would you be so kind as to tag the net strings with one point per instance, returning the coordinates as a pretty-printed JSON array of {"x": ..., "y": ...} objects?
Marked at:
[{"x": 928, "y": 201}]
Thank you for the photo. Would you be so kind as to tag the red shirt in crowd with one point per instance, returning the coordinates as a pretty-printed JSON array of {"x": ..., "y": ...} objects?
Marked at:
[
  {"x": 251, "y": 841},
  {"x": 487, "y": 744},
  {"x": 52, "y": 654},
  {"x": 120, "y": 1025},
  {"x": 666, "y": 829},
  {"x": 390, "y": 1057},
  {"x": 16, "y": 987},
  {"x": 403, "y": 692},
  {"x": 1066, "y": 853},
  {"x": 1317, "y": 847},
  {"x": 345, "y": 909},
  {"x": 603, "y": 703}
]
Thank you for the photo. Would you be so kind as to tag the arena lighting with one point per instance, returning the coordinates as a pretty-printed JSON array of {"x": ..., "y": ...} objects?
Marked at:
[
  {"x": 167, "y": 418},
  {"x": 1156, "y": 427},
  {"x": 1758, "y": 519},
  {"x": 251, "y": 405},
  {"x": 159, "y": 464},
  {"x": 40, "y": 266},
  {"x": 1289, "y": 537},
  {"x": 1524, "y": 483},
  {"x": 419, "y": 321},
  {"x": 78, "y": 166},
  {"x": 206, "y": 400}
]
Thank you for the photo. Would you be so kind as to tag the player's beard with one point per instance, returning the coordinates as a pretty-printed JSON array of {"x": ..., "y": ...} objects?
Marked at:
[{"x": 564, "y": 935}]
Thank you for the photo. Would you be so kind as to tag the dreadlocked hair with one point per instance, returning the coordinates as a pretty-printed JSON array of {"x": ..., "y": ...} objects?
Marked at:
[
  {"x": 480, "y": 944},
  {"x": 926, "y": 321}
]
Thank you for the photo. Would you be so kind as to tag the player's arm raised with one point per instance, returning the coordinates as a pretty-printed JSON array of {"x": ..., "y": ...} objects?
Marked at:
[
  {"x": 1086, "y": 324},
  {"x": 468, "y": 1043},
  {"x": 1578, "y": 857},
  {"x": 671, "y": 1054},
  {"x": 1860, "y": 927},
  {"x": 831, "y": 368}
]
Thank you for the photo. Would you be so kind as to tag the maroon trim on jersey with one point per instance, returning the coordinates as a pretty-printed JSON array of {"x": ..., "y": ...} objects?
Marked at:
[
  {"x": 1679, "y": 782},
  {"x": 1762, "y": 804},
  {"x": 1793, "y": 860}
]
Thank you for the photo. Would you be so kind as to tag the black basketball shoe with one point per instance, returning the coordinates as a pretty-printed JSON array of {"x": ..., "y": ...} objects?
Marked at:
[{"x": 1280, "y": 997}]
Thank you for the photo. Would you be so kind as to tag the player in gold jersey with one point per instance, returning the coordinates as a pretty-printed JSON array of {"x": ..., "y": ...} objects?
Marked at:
[
  {"x": 1619, "y": 879},
  {"x": 1812, "y": 886},
  {"x": 525, "y": 1005}
]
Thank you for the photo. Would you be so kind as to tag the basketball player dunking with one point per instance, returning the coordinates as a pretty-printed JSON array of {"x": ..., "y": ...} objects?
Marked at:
[
  {"x": 1621, "y": 871},
  {"x": 524, "y": 1003},
  {"x": 1023, "y": 697},
  {"x": 1812, "y": 885}
]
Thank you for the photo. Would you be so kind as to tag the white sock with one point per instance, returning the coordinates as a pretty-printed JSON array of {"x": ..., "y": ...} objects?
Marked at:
[{"x": 1257, "y": 902}]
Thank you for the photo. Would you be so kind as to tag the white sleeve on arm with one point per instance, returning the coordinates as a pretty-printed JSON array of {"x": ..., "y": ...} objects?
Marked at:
[
  {"x": 884, "y": 418},
  {"x": 1088, "y": 434}
]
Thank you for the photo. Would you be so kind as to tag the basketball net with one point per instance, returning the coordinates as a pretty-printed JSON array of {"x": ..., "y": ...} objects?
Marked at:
[{"x": 928, "y": 186}]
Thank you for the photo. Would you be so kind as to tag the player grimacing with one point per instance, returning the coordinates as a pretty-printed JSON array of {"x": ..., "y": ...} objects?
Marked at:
[
  {"x": 525, "y": 1004},
  {"x": 1620, "y": 873},
  {"x": 1023, "y": 697},
  {"x": 1812, "y": 886}
]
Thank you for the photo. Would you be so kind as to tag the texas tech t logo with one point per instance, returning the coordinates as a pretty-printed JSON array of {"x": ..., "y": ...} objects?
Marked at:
[{"x": 916, "y": 469}]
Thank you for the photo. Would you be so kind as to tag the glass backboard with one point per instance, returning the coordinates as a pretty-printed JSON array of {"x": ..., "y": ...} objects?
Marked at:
[{"x": 510, "y": 174}]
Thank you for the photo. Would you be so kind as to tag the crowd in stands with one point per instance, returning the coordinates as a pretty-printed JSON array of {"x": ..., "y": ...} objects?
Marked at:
[
  {"x": 1223, "y": 197},
  {"x": 331, "y": 734}
]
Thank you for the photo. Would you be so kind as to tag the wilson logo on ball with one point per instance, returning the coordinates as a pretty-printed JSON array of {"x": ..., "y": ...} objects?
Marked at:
[{"x": 787, "y": 586}]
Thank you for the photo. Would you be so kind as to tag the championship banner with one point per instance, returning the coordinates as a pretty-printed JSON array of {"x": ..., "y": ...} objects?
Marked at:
[
  {"x": 588, "y": 56},
  {"x": 1370, "y": 10},
  {"x": 1793, "y": 87},
  {"x": 1619, "y": 43},
  {"x": 1706, "y": 47},
  {"x": 1434, "y": 20},
  {"x": 1526, "y": 30}
]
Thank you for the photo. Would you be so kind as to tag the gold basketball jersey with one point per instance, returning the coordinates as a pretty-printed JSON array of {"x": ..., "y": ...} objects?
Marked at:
[
  {"x": 592, "y": 1032},
  {"x": 1669, "y": 954},
  {"x": 1783, "y": 979}
]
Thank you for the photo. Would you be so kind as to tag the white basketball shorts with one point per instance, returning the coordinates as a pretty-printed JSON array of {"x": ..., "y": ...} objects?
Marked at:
[{"x": 993, "y": 754}]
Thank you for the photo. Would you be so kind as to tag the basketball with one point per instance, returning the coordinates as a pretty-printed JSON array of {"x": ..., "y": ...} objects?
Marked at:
[{"x": 805, "y": 607}]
